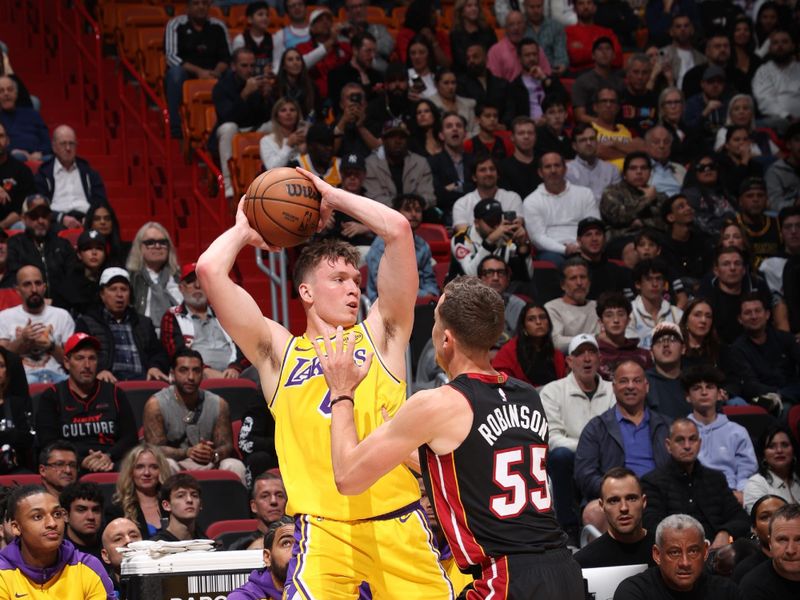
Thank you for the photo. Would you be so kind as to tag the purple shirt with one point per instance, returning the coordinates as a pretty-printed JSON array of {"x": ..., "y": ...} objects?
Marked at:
[{"x": 636, "y": 443}]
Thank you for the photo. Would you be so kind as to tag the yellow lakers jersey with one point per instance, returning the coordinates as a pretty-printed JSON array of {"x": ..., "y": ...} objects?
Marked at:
[{"x": 301, "y": 407}]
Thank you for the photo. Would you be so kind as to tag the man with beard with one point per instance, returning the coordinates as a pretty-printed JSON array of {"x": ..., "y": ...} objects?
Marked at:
[
  {"x": 40, "y": 563},
  {"x": 484, "y": 174},
  {"x": 36, "y": 330},
  {"x": 393, "y": 103},
  {"x": 586, "y": 168},
  {"x": 604, "y": 275},
  {"x": 191, "y": 426},
  {"x": 573, "y": 313},
  {"x": 319, "y": 158},
  {"x": 776, "y": 82},
  {"x": 84, "y": 505},
  {"x": 267, "y": 583},
  {"x": 626, "y": 541},
  {"x": 16, "y": 182},
  {"x": 180, "y": 498},
  {"x": 478, "y": 82},
  {"x": 40, "y": 245},
  {"x": 93, "y": 415},
  {"x": 193, "y": 324},
  {"x": 357, "y": 22},
  {"x": 451, "y": 167}
]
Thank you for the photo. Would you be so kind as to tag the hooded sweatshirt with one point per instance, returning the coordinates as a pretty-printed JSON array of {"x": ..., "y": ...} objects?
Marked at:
[
  {"x": 258, "y": 587},
  {"x": 74, "y": 576}
]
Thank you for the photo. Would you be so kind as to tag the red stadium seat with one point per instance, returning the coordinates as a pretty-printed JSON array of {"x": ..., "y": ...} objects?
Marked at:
[
  {"x": 215, "y": 475},
  {"x": 8, "y": 298},
  {"x": 241, "y": 395},
  {"x": 110, "y": 477},
  {"x": 71, "y": 235},
  {"x": 137, "y": 393},
  {"x": 232, "y": 526},
  {"x": 794, "y": 422},
  {"x": 753, "y": 418},
  {"x": 13, "y": 480}
]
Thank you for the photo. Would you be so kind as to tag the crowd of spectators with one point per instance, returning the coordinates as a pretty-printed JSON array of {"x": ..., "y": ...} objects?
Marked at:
[{"x": 648, "y": 152}]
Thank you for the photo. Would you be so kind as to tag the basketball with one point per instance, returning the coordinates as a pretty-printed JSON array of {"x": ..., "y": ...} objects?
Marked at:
[{"x": 283, "y": 207}]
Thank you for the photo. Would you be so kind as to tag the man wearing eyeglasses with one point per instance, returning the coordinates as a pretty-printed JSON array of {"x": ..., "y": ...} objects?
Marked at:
[
  {"x": 40, "y": 245},
  {"x": 72, "y": 184},
  {"x": 40, "y": 563},
  {"x": 679, "y": 552},
  {"x": 58, "y": 466}
]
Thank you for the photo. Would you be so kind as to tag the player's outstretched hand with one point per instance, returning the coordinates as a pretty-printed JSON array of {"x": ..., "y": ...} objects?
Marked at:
[
  {"x": 325, "y": 189},
  {"x": 253, "y": 237},
  {"x": 341, "y": 372}
]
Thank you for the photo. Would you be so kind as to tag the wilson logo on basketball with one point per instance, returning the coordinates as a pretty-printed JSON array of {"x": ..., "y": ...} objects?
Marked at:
[{"x": 296, "y": 190}]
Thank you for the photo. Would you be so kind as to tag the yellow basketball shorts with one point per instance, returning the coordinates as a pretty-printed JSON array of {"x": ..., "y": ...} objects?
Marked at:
[{"x": 396, "y": 555}]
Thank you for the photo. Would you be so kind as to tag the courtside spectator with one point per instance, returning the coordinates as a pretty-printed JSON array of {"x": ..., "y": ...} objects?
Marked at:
[
  {"x": 257, "y": 442},
  {"x": 717, "y": 54},
  {"x": 726, "y": 445},
  {"x": 503, "y": 60},
  {"x": 241, "y": 99},
  {"x": 779, "y": 577},
  {"x": 552, "y": 212},
  {"x": 680, "y": 552},
  {"x": 776, "y": 82},
  {"x": 410, "y": 206},
  {"x": 40, "y": 245},
  {"x": 93, "y": 415},
  {"x": 772, "y": 268},
  {"x": 572, "y": 314},
  {"x": 16, "y": 437},
  {"x": 518, "y": 173},
  {"x": 394, "y": 102},
  {"x": 295, "y": 33},
  {"x": 141, "y": 475},
  {"x": 487, "y": 140},
  {"x": 637, "y": 101},
  {"x": 762, "y": 230},
  {"x": 40, "y": 562},
  {"x": 614, "y": 141},
  {"x": 783, "y": 176},
  {"x": 267, "y": 583},
  {"x": 129, "y": 346},
  {"x": 7, "y": 279},
  {"x": 17, "y": 184},
  {"x": 268, "y": 505},
  {"x": 484, "y": 174},
  {"x": 256, "y": 37},
  {"x": 586, "y": 169},
  {"x": 35, "y": 330},
  {"x": 84, "y": 505},
  {"x": 626, "y": 541},
  {"x": 736, "y": 161},
  {"x": 665, "y": 394},
  {"x": 295, "y": 82},
  {"x": 570, "y": 403},
  {"x": 27, "y": 130},
  {"x": 192, "y": 427},
  {"x": 153, "y": 268},
  {"x": 117, "y": 534},
  {"x": 193, "y": 324},
  {"x": 351, "y": 134},
  {"x": 686, "y": 247},
  {"x": 451, "y": 167},
  {"x": 446, "y": 99},
  {"x": 181, "y": 500},
  {"x": 651, "y": 279},
  {"x": 104, "y": 220},
  {"x": 58, "y": 466},
  {"x": 705, "y": 111},
  {"x": 614, "y": 312},
  {"x": 760, "y": 516},
  {"x": 196, "y": 46},
  {"x": 469, "y": 26},
  {"x": 666, "y": 176},
  {"x": 72, "y": 185},
  {"x": 778, "y": 474},
  {"x": 478, "y": 82},
  {"x": 398, "y": 171},
  {"x": 530, "y": 355}
]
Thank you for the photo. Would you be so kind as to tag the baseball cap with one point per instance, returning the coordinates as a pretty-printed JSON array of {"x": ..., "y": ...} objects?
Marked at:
[
  {"x": 488, "y": 209},
  {"x": 663, "y": 329},
  {"x": 91, "y": 239},
  {"x": 319, "y": 12},
  {"x": 713, "y": 72},
  {"x": 187, "y": 270},
  {"x": 112, "y": 274},
  {"x": 752, "y": 183},
  {"x": 393, "y": 126},
  {"x": 581, "y": 339},
  {"x": 353, "y": 162},
  {"x": 590, "y": 223},
  {"x": 34, "y": 201},
  {"x": 77, "y": 340},
  {"x": 320, "y": 133}
]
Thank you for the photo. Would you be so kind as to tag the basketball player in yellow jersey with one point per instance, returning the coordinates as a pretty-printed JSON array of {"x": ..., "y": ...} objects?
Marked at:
[{"x": 380, "y": 536}]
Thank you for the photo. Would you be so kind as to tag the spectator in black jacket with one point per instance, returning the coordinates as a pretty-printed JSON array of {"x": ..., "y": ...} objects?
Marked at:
[
  {"x": 79, "y": 290},
  {"x": 58, "y": 179},
  {"x": 15, "y": 404},
  {"x": 93, "y": 415},
  {"x": 518, "y": 172},
  {"x": 40, "y": 246},
  {"x": 479, "y": 83},
  {"x": 529, "y": 89},
  {"x": 767, "y": 360},
  {"x": 129, "y": 347},
  {"x": 17, "y": 183},
  {"x": 451, "y": 167},
  {"x": 242, "y": 100},
  {"x": 684, "y": 485}
]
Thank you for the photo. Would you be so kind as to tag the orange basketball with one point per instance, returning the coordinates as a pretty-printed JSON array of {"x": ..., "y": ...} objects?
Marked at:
[{"x": 283, "y": 206}]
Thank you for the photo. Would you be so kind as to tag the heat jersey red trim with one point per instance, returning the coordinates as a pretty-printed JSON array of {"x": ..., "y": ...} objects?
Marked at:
[{"x": 486, "y": 378}]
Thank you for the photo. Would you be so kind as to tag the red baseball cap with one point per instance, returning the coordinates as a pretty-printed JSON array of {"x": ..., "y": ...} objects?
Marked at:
[
  {"x": 81, "y": 339},
  {"x": 187, "y": 269}
]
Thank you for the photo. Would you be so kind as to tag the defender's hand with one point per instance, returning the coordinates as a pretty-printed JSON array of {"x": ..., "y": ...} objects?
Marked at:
[{"x": 341, "y": 372}]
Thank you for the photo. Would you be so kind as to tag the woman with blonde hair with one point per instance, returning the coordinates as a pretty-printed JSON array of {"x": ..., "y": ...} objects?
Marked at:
[
  {"x": 142, "y": 473},
  {"x": 288, "y": 138},
  {"x": 153, "y": 267}
]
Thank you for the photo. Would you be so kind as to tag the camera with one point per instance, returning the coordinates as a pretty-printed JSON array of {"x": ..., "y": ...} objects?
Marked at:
[{"x": 509, "y": 215}]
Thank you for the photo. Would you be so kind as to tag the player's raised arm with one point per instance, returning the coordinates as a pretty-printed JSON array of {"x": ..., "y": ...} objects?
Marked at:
[
  {"x": 260, "y": 339},
  {"x": 397, "y": 278}
]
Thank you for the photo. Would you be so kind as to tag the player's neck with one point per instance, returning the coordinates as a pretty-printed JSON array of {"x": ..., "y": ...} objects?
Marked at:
[{"x": 463, "y": 363}]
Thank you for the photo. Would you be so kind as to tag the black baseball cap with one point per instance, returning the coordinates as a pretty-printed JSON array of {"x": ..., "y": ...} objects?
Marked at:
[
  {"x": 353, "y": 162},
  {"x": 91, "y": 239},
  {"x": 489, "y": 210},
  {"x": 590, "y": 223}
]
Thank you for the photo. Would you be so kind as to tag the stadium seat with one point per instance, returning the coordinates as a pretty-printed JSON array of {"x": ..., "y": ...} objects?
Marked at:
[
  {"x": 35, "y": 390},
  {"x": 26, "y": 479},
  {"x": 229, "y": 531},
  {"x": 8, "y": 298},
  {"x": 137, "y": 393},
  {"x": 440, "y": 270},
  {"x": 107, "y": 482},
  {"x": 149, "y": 60},
  {"x": 399, "y": 16},
  {"x": 245, "y": 163},
  {"x": 71, "y": 235},
  {"x": 794, "y": 422},
  {"x": 438, "y": 240},
  {"x": 546, "y": 282},
  {"x": 224, "y": 496},
  {"x": 753, "y": 418},
  {"x": 241, "y": 395},
  {"x": 236, "y": 18},
  {"x": 196, "y": 97},
  {"x": 132, "y": 17}
]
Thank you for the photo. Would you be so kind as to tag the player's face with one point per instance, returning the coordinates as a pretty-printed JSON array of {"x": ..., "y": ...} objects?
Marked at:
[
  {"x": 278, "y": 557},
  {"x": 85, "y": 516},
  {"x": 334, "y": 290},
  {"x": 269, "y": 501},
  {"x": 39, "y": 522},
  {"x": 623, "y": 504},
  {"x": 146, "y": 472},
  {"x": 680, "y": 558},
  {"x": 184, "y": 504}
]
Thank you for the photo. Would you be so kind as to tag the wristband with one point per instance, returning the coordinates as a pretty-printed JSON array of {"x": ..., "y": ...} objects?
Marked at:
[{"x": 341, "y": 399}]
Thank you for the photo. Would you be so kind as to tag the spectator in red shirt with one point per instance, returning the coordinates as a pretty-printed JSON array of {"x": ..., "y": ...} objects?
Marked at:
[
  {"x": 582, "y": 35},
  {"x": 324, "y": 51}
]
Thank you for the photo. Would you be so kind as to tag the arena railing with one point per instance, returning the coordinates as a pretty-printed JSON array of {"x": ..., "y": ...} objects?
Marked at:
[{"x": 212, "y": 207}]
